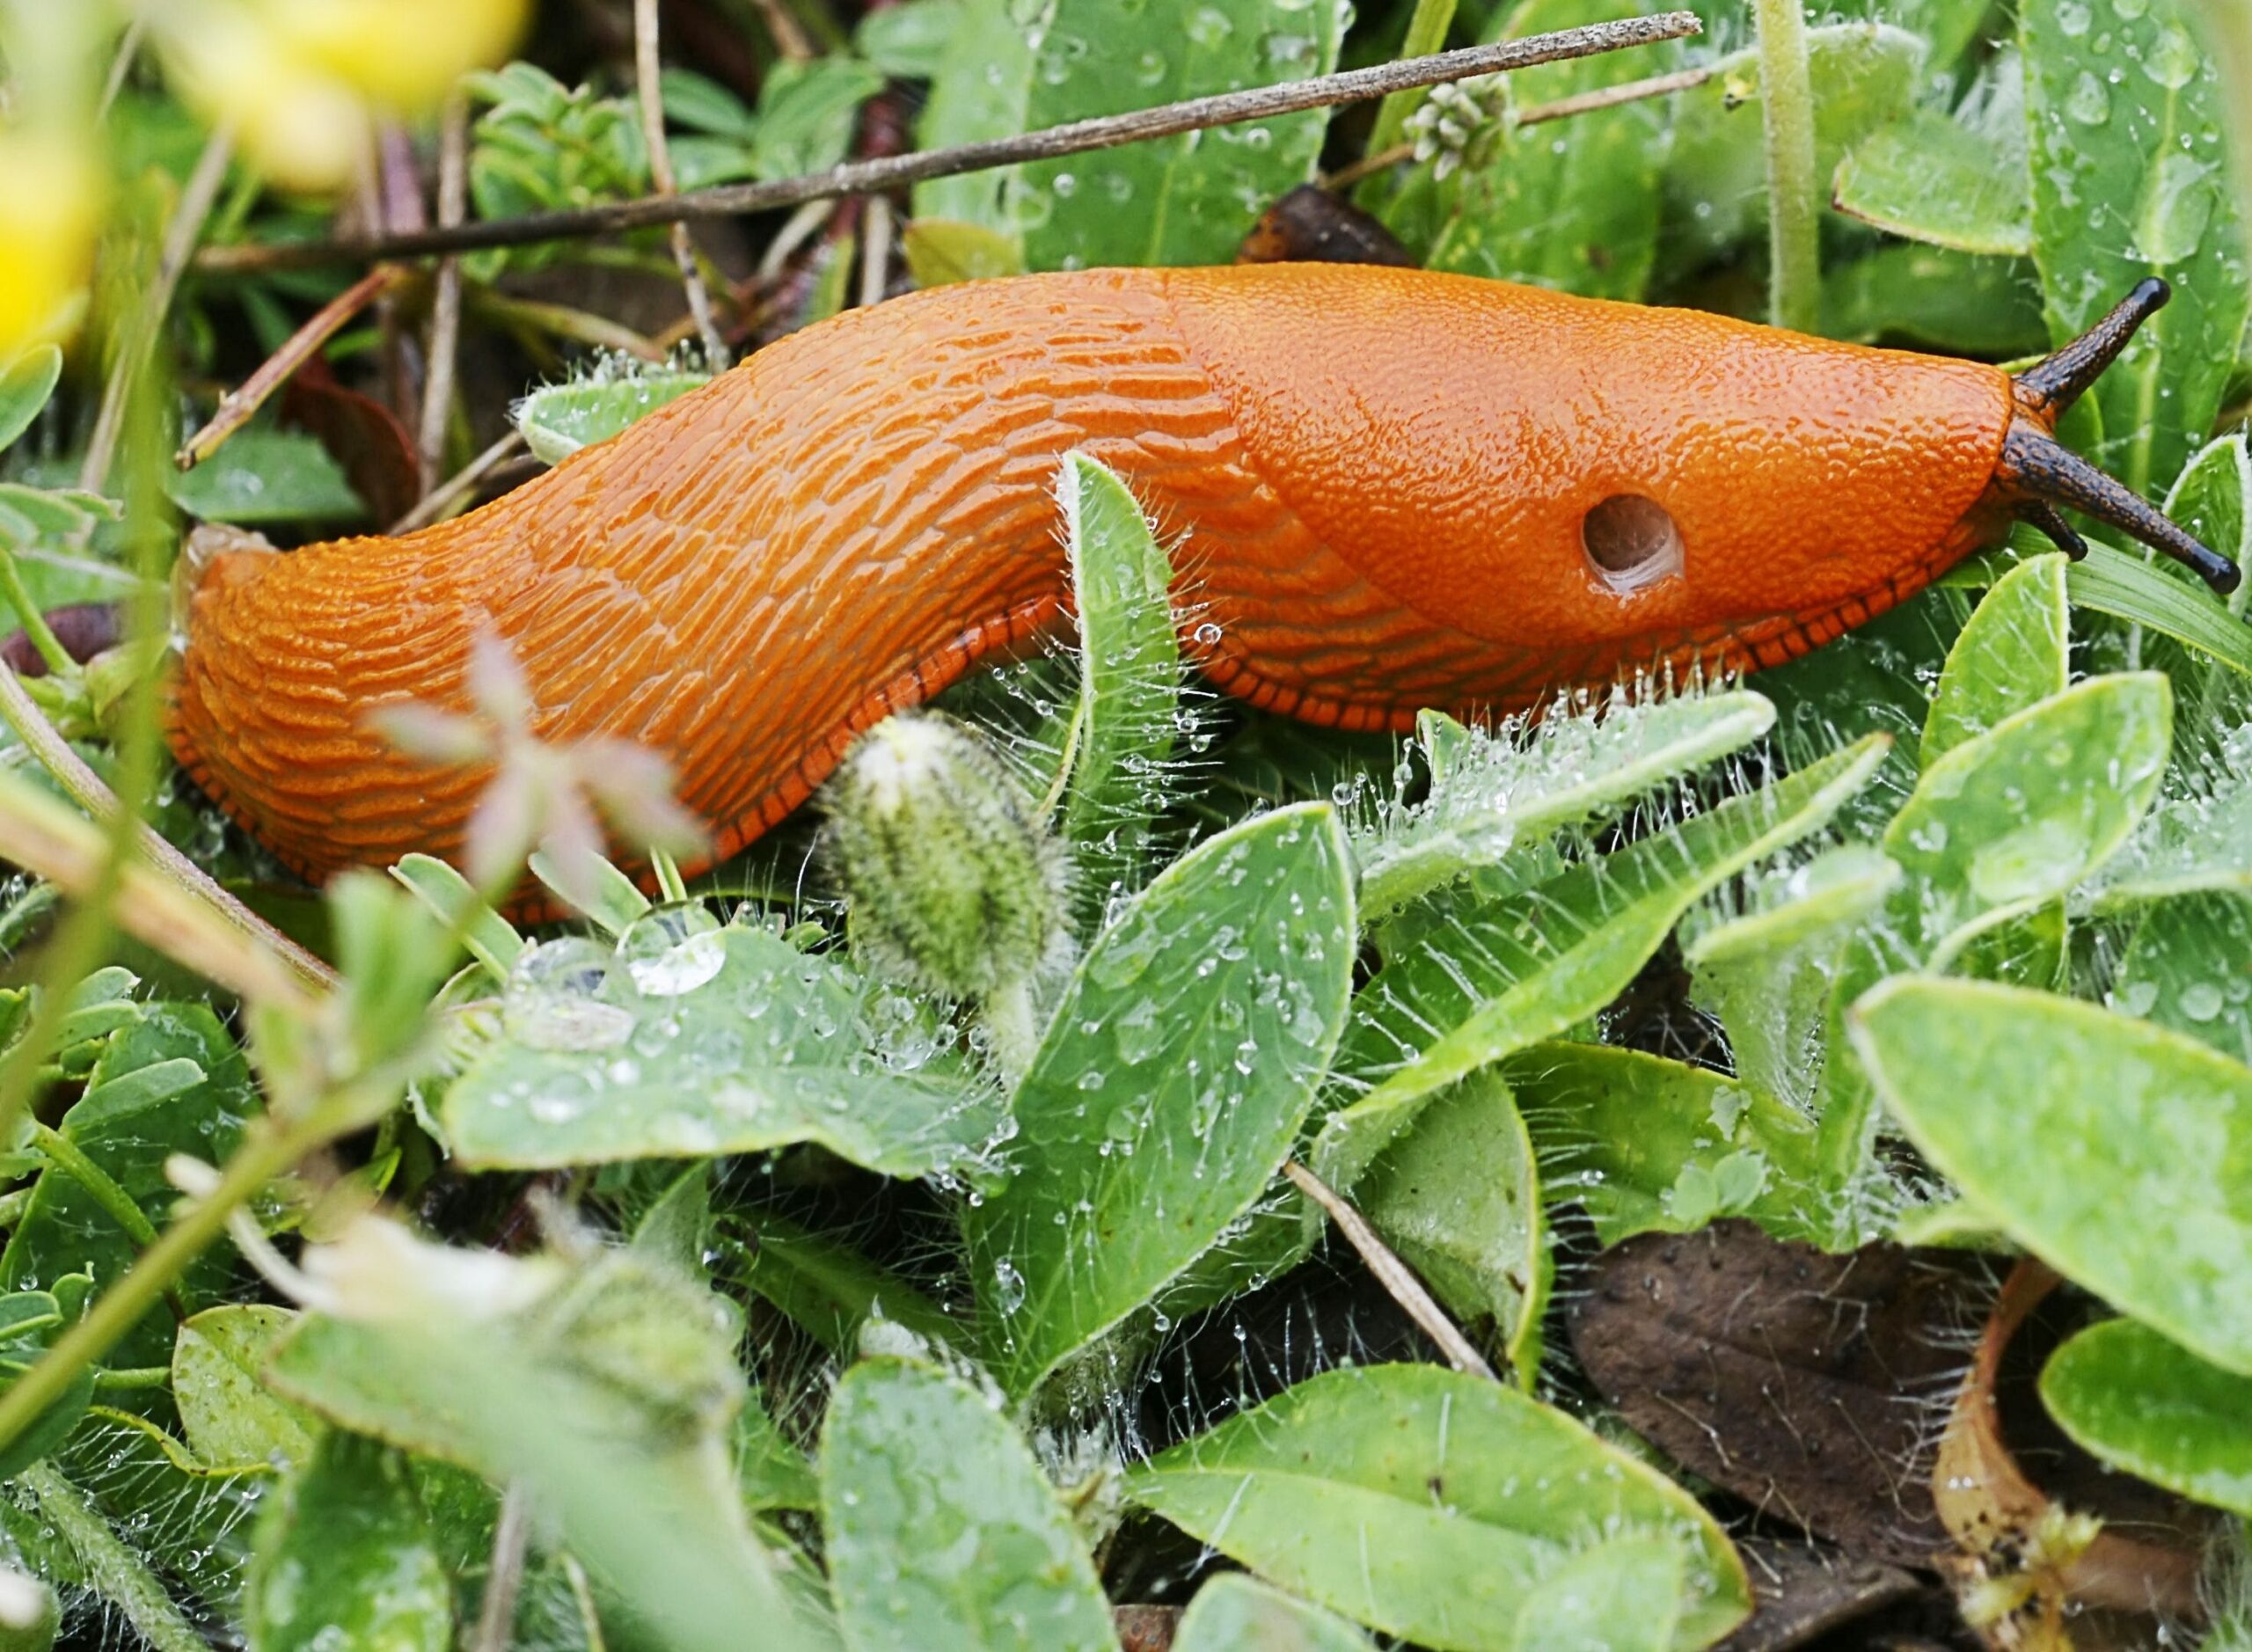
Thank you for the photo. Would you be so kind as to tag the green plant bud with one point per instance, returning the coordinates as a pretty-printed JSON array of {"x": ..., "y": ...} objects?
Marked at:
[{"x": 954, "y": 885}]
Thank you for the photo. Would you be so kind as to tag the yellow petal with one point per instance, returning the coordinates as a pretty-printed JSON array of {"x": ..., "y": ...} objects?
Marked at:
[
  {"x": 50, "y": 212},
  {"x": 406, "y": 55}
]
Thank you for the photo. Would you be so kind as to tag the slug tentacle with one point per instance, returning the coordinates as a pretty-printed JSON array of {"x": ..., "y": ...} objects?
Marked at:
[{"x": 2048, "y": 389}]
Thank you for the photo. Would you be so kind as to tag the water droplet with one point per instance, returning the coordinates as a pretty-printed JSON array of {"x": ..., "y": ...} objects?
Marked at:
[
  {"x": 555, "y": 997},
  {"x": 2178, "y": 210},
  {"x": 2173, "y": 61},
  {"x": 2200, "y": 1001},
  {"x": 2087, "y": 102},
  {"x": 1210, "y": 27},
  {"x": 2073, "y": 18},
  {"x": 1008, "y": 1286},
  {"x": 674, "y": 949}
]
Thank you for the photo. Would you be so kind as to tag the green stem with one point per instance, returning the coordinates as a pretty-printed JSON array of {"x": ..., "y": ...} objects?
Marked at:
[
  {"x": 115, "y": 1571},
  {"x": 71, "y": 1160},
  {"x": 1794, "y": 201},
  {"x": 269, "y": 1149},
  {"x": 1426, "y": 34},
  {"x": 133, "y": 1379},
  {"x": 27, "y": 614}
]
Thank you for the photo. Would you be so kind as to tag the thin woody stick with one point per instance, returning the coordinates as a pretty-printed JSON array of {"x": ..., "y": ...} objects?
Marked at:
[
  {"x": 870, "y": 176},
  {"x": 648, "y": 82}
]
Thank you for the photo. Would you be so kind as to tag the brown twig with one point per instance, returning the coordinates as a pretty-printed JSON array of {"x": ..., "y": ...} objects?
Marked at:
[
  {"x": 120, "y": 66},
  {"x": 440, "y": 502},
  {"x": 180, "y": 236},
  {"x": 238, "y": 406},
  {"x": 1562, "y": 109},
  {"x": 444, "y": 343},
  {"x": 873, "y": 176},
  {"x": 561, "y": 321},
  {"x": 790, "y": 39},
  {"x": 876, "y": 251},
  {"x": 648, "y": 82},
  {"x": 1394, "y": 1275}
]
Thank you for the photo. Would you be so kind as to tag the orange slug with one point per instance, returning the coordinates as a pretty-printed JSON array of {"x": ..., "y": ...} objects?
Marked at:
[{"x": 1392, "y": 489}]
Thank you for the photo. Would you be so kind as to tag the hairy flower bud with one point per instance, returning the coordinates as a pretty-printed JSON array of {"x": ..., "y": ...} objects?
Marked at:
[{"x": 954, "y": 885}]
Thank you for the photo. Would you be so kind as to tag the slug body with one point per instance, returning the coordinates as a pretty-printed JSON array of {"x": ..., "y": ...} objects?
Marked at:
[{"x": 1390, "y": 490}]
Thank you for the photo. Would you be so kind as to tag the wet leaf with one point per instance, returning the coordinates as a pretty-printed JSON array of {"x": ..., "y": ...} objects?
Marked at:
[
  {"x": 1647, "y": 1145},
  {"x": 2019, "y": 814},
  {"x": 741, "y": 1042},
  {"x": 1429, "y": 1504},
  {"x": 1623, "y": 1595},
  {"x": 1458, "y": 1198},
  {"x": 944, "y": 1534},
  {"x": 2013, "y": 655},
  {"x": 829, "y": 1290},
  {"x": 1173, "y": 1080},
  {"x": 1510, "y": 974},
  {"x": 1121, "y": 734},
  {"x": 2128, "y": 180},
  {"x": 2133, "y": 587},
  {"x": 2142, "y": 1404},
  {"x": 1235, "y": 1613},
  {"x": 1493, "y": 795},
  {"x": 2119, "y": 1152},
  {"x": 807, "y": 113},
  {"x": 268, "y": 476},
  {"x": 229, "y": 1415},
  {"x": 1864, "y": 76},
  {"x": 942, "y": 251},
  {"x": 171, "y": 1081},
  {"x": 30, "y": 1320},
  {"x": 2190, "y": 967},
  {"x": 558, "y": 419},
  {"x": 345, "y": 1562},
  {"x": 1793, "y": 1378},
  {"x": 981, "y": 88}
]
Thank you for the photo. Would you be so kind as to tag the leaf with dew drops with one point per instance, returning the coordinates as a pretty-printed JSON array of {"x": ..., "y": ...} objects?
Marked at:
[
  {"x": 2141, "y": 1403},
  {"x": 345, "y": 1558},
  {"x": 1172, "y": 1082},
  {"x": 944, "y": 1535}
]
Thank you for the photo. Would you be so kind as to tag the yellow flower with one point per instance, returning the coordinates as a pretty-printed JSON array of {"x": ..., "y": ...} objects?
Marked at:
[
  {"x": 51, "y": 211},
  {"x": 299, "y": 79}
]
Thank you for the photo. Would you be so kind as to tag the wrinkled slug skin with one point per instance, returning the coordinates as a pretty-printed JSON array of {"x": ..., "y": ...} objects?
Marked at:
[{"x": 1377, "y": 479}]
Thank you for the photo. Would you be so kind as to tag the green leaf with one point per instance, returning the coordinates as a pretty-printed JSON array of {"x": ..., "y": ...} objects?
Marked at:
[
  {"x": 607, "y": 1394},
  {"x": 2142, "y": 1404},
  {"x": 1189, "y": 199},
  {"x": 558, "y": 419},
  {"x": 1121, "y": 729},
  {"x": 771, "y": 1472},
  {"x": 268, "y": 476},
  {"x": 1427, "y": 1504},
  {"x": 2190, "y": 967},
  {"x": 345, "y": 1562},
  {"x": 2020, "y": 814},
  {"x": 982, "y": 90},
  {"x": 52, "y": 514},
  {"x": 1839, "y": 887},
  {"x": 228, "y": 1414},
  {"x": 1944, "y": 300},
  {"x": 942, "y": 251},
  {"x": 1493, "y": 796},
  {"x": 807, "y": 113},
  {"x": 2129, "y": 168},
  {"x": 30, "y": 1320},
  {"x": 1938, "y": 181},
  {"x": 1578, "y": 214},
  {"x": 2119, "y": 1152},
  {"x": 1458, "y": 1196},
  {"x": 909, "y": 41},
  {"x": 609, "y": 900},
  {"x": 25, "y": 383},
  {"x": 171, "y": 1082},
  {"x": 1864, "y": 76},
  {"x": 773, "y": 1046},
  {"x": 702, "y": 105},
  {"x": 1516, "y": 972},
  {"x": 1644, "y": 1144},
  {"x": 1623, "y": 1595},
  {"x": 943, "y": 1533},
  {"x": 2136, "y": 588},
  {"x": 2011, "y": 655},
  {"x": 1235, "y": 1613},
  {"x": 490, "y": 937},
  {"x": 1173, "y": 1080},
  {"x": 828, "y": 1291}
]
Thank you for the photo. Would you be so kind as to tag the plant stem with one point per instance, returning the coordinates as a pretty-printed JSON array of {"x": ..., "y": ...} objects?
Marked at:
[
  {"x": 118, "y": 1204},
  {"x": 269, "y": 1148},
  {"x": 115, "y": 1571},
  {"x": 1393, "y": 1274},
  {"x": 86, "y": 789},
  {"x": 444, "y": 351},
  {"x": 59, "y": 662},
  {"x": 133, "y": 1379},
  {"x": 180, "y": 236},
  {"x": 872, "y": 176},
  {"x": 496, "y": 1612},
  {"x": 647, "y": 81},
  {"x": 1794, "y": 201}
]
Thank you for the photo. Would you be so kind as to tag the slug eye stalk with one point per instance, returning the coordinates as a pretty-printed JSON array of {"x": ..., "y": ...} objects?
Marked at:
[{"x": 2037, "y": 473}]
